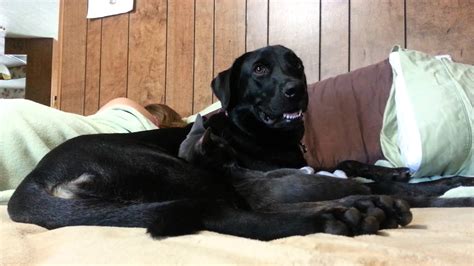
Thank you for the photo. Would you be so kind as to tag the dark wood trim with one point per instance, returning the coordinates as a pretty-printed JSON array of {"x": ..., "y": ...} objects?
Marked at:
[{"x": 39, "y": 67}]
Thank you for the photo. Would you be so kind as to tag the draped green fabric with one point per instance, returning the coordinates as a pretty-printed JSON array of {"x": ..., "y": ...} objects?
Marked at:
[{"x": 441, "y": 94}]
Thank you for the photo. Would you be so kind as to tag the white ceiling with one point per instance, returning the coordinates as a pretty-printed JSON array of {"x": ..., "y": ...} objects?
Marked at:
[{"x": 30, "y": 18}]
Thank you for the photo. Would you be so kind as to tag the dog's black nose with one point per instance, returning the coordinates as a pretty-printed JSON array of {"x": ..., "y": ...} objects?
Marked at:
[{"x": 290, "y": 92}]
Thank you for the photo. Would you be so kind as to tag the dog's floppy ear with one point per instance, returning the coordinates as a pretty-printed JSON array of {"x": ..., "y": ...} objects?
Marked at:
[
  {"x": 221, "y": 87},
  {"x": 224, "y": 84}
]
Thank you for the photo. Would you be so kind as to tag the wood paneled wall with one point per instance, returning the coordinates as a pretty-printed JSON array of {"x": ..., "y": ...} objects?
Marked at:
[{"x": 168, "y": 51}]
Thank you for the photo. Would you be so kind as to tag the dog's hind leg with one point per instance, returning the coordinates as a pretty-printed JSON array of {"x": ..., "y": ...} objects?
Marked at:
[
  {"x": 258, "y": 225},
  {"x": 426, "y": 189},
  {"x": 51, "y": 212},
  {"x": 426, "y": 194},
  {"x": 349, "y": 216},
  {"x": 420, "y": 202}
]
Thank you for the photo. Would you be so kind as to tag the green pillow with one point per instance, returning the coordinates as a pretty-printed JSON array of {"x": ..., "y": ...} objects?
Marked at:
[{"x": 439, "y": 102}]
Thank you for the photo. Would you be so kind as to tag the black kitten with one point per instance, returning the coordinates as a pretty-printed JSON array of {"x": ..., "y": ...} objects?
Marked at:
[{"x": 204, "y": 148}]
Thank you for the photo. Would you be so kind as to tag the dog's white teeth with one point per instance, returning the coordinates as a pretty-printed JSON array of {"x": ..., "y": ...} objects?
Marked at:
[{"x": 292, "y": 116}]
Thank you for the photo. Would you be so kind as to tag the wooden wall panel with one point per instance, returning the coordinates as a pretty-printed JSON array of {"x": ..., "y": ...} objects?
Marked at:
[
  {"x": 257, "y": 24},
  {"x": 376, "y": 25},
  {"x": 442, "y": 27},
  {"x": 203, "y": 54},
  {"x": 147, "y": 51},
  {"x": 92, "y": 82},
  {"x": 168, "y": 51},
  {"x": 72, "y": 48},
  {"x": 114, "y": 59},
  {"x": 180, "y": 52},
  {"x": 295, "y": 24},
  {"x": 334, "y": 38},
  {"x": 229, "y": 38}
]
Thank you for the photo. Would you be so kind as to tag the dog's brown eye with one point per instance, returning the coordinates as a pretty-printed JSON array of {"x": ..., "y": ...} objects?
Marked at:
[{"x": 260, "y": 70}]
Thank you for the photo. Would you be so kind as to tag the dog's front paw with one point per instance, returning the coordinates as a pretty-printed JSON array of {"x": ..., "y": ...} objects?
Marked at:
[
  {"x": 374, "y": 172},
  {"x": 401, "y": 174},
  {"x": 366, "y": 215}
]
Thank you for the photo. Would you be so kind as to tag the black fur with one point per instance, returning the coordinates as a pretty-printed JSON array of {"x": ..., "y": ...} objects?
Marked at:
[{"x": 138, "y": 179}]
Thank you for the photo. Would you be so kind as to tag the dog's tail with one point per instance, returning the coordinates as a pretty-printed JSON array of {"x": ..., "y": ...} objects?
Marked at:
[{"x": 33, "y": 203}]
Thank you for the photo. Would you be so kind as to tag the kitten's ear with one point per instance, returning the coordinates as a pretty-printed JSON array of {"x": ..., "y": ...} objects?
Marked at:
[
  {"x": 199, "y": 122},
  {"x": 198, "y": 126}
]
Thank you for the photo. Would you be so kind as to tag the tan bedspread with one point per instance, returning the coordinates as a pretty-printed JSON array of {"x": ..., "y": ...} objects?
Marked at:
[{"x": 435, "y": 237}]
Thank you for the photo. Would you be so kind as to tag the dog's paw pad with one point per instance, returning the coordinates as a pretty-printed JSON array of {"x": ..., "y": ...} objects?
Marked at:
[
  {"x": 369, "y": 225},
  {"x": 404, "y": 215},
  {"x": 368, "y": 214},
  {"x": 394, "y": 209},
  {"x": 397, "y": 211},
  {"x": 378, "y": 213},
  {"x": 352, "y": 216},
  {"x": 336, "y": 227},
  {"x": 349, "y": 222}
]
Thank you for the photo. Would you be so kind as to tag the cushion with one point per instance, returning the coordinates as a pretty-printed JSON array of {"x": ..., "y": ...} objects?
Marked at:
[
  {"x": 429, "y": 115},
  {"x": 345, "y": 115}
]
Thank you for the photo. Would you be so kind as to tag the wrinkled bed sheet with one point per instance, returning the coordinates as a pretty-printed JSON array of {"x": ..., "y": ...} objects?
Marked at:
[{"x": 435, "y": 237}]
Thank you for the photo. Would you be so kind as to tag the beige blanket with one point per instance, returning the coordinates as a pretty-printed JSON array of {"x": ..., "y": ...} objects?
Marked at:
[{"x": 435, "y": 237}]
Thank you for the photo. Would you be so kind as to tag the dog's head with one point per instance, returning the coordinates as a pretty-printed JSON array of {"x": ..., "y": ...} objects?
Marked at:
[{"x": 264, "y": 87}]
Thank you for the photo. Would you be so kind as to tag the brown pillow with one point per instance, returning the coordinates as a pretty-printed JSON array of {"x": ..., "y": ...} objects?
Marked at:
[{"x": 344, "y": 116}]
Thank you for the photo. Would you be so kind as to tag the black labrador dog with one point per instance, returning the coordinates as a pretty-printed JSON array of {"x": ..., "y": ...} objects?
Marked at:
[{"x": 138, "y": 180}]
